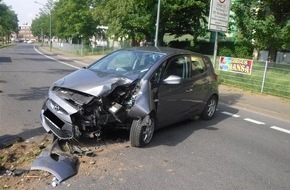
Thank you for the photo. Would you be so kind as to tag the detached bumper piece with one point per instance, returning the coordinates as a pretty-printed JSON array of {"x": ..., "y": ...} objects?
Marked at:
[{"x": 53, "y": 160}]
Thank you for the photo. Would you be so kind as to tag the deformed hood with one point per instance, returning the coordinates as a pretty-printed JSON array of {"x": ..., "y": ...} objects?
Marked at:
[{"x": 93, "y": 83}]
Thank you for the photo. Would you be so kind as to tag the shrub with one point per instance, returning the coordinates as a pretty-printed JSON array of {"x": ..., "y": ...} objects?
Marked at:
[
  {"x": 244, "y": 50},
  {"x": 225, "y": 51}
]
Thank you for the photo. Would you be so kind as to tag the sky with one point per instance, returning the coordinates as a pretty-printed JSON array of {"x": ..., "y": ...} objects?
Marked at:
[{"x": 26, "y": 10}]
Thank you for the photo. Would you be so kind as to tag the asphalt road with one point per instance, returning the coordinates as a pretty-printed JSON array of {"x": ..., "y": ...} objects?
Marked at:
[
  {"x": 238, "y": 149},
  {"x": 25, "y": 77}
]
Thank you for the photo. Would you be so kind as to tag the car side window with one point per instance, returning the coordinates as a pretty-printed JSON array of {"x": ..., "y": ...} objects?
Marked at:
[
  {"x": 156, "y": 77},
  {"x": 197, "y": 66},
  {"x": 178, "y": 66}
]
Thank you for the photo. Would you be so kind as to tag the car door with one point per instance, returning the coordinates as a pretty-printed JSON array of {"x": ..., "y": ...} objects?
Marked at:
[
  {"x": 172, "y": 104},
  {"x": 200, "y": 84}
]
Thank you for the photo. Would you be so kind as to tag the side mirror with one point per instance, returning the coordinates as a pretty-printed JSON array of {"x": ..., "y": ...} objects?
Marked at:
[{"x": 172, "y": 79}]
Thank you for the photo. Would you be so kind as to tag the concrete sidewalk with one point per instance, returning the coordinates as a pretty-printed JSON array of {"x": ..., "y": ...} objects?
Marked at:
[
  {"x": 270, "y": 105},
  {"x": 267, "y": 104}
]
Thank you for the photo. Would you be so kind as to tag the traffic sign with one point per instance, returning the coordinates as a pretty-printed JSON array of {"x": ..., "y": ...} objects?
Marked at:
[{"x": 219, "y": 15}]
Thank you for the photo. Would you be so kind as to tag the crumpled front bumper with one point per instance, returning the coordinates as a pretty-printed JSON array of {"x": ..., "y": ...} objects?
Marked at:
[{"x": 55, "y": 118}]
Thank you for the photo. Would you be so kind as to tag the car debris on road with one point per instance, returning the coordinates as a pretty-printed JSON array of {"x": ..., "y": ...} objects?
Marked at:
[
  {"x": 61, "y": 159},
  {"x": 56, "y": 161}
]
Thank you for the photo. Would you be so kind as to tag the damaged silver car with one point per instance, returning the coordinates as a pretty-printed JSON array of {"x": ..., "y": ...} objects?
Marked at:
[{"x": 140, "y": 89}]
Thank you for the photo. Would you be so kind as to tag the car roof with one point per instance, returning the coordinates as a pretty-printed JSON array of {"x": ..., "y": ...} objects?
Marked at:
[{"x": 163, "y": 50}]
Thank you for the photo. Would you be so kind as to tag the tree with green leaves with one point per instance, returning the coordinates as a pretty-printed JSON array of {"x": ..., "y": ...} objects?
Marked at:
[
  {"x": 286, "y": 35},
  {"x": 8, "y": 22},
  {"x": 73, "y": 19},
  {"x": 265, "y": 23},
  {"x": 180, "y": 17},
  {"x": 131, "y": 19},
  {"x": 136, "y": 18},
  {"x": 40, "y": 26}
]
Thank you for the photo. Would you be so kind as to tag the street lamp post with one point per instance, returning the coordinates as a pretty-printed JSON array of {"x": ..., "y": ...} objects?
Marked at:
[
  {"x": 50, "y": 23},
  {"x": 157, "y": 24},
  {"x": 50, "y": 40}
]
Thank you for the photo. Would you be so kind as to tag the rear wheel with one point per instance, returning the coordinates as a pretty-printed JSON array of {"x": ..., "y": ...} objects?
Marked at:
[
  {"x": 142, "y": 131},
  {"x": 210, "y": 108}
]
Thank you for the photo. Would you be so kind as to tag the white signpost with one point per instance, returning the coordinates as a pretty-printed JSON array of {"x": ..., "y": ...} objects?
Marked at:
[
  {"x": 219, "y": 19},
  {"x": 219, "y": 15}
]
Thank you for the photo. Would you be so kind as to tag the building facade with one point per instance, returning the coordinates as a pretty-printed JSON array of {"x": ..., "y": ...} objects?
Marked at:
[{"x": 24, "y": 34}]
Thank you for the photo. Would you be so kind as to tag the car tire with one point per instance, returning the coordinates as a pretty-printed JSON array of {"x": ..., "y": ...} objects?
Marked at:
[
  {"x": 210, "y": 108},
  {"x": 141, "y": 132}
]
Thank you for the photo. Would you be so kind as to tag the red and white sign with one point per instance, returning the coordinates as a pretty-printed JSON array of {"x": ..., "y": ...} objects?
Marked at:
[{"x": 236, "y": 65}]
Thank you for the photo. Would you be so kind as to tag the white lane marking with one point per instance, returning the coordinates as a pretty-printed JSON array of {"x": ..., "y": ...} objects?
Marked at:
[
  {"x": 230, "y": 114},
  {"x": 280, "y": 129},
  {"x": 56, "y": 59},
  {"x": 254, "y": 121}
]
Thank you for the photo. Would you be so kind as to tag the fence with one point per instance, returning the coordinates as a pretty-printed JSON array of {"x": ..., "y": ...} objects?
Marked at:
[
  {"x": 81, "y": 49},
  {"x": 101, "y": 48},
  {"x": 266, "y": 77}
]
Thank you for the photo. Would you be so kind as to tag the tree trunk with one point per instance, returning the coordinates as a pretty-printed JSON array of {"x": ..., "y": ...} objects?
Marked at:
[
  {"x": 3, "y": 39},
  {"x": 272, "y": 55}
]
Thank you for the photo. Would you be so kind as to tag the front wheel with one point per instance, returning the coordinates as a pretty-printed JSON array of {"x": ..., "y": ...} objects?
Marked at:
[
  {"x": 142, "y": 131},
  {"x": 210, "y": 108}
]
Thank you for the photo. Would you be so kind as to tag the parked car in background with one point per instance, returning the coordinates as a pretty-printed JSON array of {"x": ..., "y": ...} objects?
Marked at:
[{"x": 140, "y": 89}]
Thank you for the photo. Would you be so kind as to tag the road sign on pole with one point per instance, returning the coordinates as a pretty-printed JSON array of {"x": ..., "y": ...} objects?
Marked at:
[
  {"x": 219, "y": 15},
  {"x": 218, "y": 20}
]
